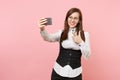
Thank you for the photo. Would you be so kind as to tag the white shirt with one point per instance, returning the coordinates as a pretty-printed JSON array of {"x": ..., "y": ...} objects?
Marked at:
[{"x": 67, "y": 70}]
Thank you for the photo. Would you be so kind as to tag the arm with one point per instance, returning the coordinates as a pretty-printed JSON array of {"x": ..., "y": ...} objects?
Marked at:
[
  {"x": 46, "y": 36},
  {"x": 85, "y": 46},
  {"x": 51, "y": 37}
]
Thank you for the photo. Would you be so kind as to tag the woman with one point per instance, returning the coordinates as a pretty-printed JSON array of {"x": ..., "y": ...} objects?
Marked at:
[{"x": 74, "y": 42}]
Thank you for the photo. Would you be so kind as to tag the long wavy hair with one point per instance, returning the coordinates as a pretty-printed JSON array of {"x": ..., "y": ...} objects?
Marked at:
[{"x": 79, "y": 26}]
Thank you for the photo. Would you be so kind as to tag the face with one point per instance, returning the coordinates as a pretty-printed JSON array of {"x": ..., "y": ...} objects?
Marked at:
[{"x": 73, "y": 19}]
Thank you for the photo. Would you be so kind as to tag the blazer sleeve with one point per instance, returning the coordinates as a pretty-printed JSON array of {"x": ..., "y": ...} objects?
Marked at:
[
  {"x": 51, "y": 37},
  {"x": 85, "y": 46}
]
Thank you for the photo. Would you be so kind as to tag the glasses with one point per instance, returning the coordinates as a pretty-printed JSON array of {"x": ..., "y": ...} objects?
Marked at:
[{"x": 73, "y": 18}]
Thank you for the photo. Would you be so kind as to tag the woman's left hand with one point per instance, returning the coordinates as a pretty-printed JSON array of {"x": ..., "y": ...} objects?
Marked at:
[{"x": 77, "y": 38}]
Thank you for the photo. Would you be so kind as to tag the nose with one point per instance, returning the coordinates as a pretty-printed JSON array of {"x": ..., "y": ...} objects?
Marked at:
[{"x": 72, "y": 20}]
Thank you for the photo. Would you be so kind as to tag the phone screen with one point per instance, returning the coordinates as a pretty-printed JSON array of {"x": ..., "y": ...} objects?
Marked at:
[{"x": 49, "y": 21}]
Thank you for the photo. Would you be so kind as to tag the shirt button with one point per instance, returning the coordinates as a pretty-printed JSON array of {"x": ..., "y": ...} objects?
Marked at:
[
  {"x": 68, "y": 62},
  {"x": 70, "y": 54}
]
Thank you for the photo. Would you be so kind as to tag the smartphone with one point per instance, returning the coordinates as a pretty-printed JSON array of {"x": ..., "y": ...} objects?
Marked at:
[{"x": 49, "y": 21}]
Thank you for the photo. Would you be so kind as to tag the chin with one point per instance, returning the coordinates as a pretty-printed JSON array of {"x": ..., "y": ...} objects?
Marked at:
[{"x": 72, "y": 26}]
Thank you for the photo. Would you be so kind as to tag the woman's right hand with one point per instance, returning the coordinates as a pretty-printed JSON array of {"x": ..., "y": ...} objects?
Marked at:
[{"x": 41, "y": 23}]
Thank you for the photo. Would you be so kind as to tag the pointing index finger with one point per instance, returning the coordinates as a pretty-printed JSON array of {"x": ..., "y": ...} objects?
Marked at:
[{"x": 79, "y": 33}]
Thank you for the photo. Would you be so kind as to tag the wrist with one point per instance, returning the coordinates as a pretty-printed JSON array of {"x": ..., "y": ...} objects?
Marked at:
[{"x": 42, "y": 28}]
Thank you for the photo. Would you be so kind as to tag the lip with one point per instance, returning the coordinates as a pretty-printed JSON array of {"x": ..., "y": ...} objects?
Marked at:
[{"x": 72, "y": 24}]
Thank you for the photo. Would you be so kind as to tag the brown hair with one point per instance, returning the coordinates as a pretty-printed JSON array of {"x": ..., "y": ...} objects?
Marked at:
[{"x": 79, "y": 26}]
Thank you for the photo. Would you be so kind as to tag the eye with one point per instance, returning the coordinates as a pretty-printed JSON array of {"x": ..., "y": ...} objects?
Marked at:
[
  {"x": 71, "y": 17},
  {"x": 76, "y": 18}
]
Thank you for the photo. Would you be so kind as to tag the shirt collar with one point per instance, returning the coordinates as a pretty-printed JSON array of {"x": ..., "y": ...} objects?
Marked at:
[{"x": 72, "y": 29}]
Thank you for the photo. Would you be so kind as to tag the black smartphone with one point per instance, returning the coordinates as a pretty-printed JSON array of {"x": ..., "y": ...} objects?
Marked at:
[{"x": 49, "y": 21}]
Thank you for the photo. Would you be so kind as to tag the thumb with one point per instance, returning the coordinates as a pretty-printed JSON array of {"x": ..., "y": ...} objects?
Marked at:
[{"x": 74, "y": 34}]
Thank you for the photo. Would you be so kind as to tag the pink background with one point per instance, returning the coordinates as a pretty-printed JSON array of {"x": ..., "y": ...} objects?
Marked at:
[{"x": 24, "y": 55}]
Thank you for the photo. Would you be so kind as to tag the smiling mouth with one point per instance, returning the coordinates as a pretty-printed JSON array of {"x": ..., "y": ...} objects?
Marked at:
[{"x": 72, "y": 23}]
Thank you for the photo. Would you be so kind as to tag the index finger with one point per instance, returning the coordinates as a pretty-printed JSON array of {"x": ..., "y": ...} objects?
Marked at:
[{"x": 79, "y": 33}]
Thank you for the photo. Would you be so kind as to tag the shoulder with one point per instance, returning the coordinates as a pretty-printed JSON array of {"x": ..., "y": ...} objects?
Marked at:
[
  {"x": 86, "y": 34},
  {"x": 60, "y": 31}
]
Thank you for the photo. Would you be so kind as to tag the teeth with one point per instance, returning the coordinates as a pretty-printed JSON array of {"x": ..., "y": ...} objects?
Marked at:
[{"x": 72, "y": 24}]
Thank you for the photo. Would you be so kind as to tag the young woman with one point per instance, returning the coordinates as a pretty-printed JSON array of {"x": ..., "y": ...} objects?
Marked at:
[{"x": 74, "y": 43}]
